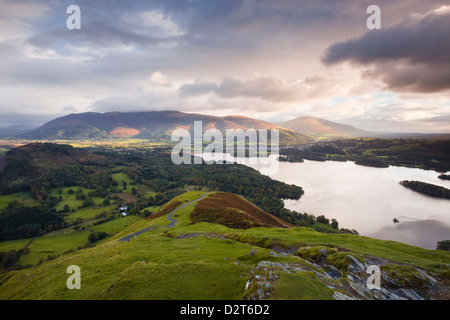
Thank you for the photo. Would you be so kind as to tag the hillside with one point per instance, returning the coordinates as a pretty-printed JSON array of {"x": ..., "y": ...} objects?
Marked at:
[
  {"x": 18, "y": 129},
  {"x": 37, "y": 165},
  {"x": 233, "y": 211},
  {"x": 321, "y": 128},
  {"x": 192, "y": 261},
  {"x": 154, "y": 125}
]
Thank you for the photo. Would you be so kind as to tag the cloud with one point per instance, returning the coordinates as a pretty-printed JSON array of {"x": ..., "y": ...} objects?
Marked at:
[
  {"x": 410, "y": 56},
  {"x": 265, "y": 88},
  {"x": 159, "y": 79}
]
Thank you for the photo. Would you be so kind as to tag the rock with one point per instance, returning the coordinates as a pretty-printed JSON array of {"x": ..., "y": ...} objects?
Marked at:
[
  {"x": 258, "y": 295},
  {"x": 334, "y": 273},
  {"x": 264, "y": 284},
  {"x": 272, "y": 276},
  {"x": 409, "y": 294},
  {"x": 340, "y": 296},
  {"x": 273, "y": 254},
  {"x": 322, "y": 275},
  {"x": 355, "y": 264},
  {"x": 323, "y": 252},
  {"x": 426, "y": 276},
  {"x": 252, "y": 252}
]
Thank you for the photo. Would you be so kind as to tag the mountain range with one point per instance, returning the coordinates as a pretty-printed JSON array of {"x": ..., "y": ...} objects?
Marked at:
[{"x": 159, "y": 125}]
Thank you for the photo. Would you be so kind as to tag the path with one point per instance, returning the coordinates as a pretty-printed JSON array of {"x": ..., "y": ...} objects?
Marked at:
[{"x": 169, "y": 217}]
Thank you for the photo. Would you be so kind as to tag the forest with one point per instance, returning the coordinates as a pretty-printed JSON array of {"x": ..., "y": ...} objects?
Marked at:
[
  {"x": 427, "y": 188},
  {"x": 26, "y": 222},
  {"x": 375, "y": 152},
  {"x": 45, "y": 169}
]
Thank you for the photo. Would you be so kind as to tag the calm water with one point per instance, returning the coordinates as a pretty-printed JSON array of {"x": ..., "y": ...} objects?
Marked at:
[{"x": 368, "y": 199}]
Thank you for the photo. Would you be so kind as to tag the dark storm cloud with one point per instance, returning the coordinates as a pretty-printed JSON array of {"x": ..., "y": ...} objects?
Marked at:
[{"x": 410, "y": 56}]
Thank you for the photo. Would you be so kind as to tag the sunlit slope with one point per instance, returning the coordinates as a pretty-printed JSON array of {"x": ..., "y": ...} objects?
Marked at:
[{"x": 212, "y": 261}]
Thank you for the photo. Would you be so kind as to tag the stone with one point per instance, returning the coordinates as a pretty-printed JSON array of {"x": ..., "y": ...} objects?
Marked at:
[
  {"x": 340, "y": 296},
  {"x": 334, "y": 273},
  {"x": 355, "y": 263}
]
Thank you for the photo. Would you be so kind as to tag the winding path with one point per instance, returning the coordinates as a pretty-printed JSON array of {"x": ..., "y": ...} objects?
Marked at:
[{"x": 169, "y": 217}]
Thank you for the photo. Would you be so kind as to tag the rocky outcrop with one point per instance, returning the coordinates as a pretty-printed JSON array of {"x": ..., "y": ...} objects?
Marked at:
[{"x": 346, "y": 274}]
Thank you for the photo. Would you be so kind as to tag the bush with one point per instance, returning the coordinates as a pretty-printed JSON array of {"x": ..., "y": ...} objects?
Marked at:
[
  {"x": 443, "y": 245},
  {"x": 96, "y": 236}
]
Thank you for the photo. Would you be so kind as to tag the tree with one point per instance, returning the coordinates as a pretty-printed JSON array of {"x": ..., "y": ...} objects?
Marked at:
[
  {"x": 443, "y": 245},
  {"x": 134, "y": 191},
  {"x": 93, "y": 237},
  {"x": 66, "y": 208},
  {"x": 334, "y": 224},
  {"x": 106, "y": 202},
  {"x": 322, "y": 219},
  {"x": 96, "y": 236}
]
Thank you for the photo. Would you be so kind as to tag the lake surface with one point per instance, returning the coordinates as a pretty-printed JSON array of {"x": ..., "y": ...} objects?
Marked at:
[{"x": 368, "y": 199}]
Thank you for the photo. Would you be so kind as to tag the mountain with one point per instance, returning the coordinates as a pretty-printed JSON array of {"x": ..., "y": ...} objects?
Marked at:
[
  {"x": 321, "y": 128},
  {"x": 16, "y": 129},
  {"x": 147, "y": 125},
  {"x": 324, "y": 129}
]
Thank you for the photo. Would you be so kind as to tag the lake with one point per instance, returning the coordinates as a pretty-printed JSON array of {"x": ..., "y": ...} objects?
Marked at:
[{"x": 368, "y": 199}]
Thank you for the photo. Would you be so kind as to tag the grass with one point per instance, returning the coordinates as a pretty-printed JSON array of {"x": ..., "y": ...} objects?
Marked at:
[
  {"x": 301, "y": 286},
  {"x": 89, "y": 213},
  {"x": 60, "y": 241},
  {"x": 122, "y": 177},
  {"x": 149, "y": 267},
  {"x": 158, "y": 264},
  {"x": 427, "y": 259},
  {"x": 23, "y": 197}
]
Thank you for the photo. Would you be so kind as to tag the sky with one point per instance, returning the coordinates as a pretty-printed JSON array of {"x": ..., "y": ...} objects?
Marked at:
[{"x": 271, "y": 60}]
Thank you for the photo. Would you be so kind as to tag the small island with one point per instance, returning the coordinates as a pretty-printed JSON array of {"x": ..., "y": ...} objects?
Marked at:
[
  {"x": 427, "y": 188},
  {"x": 371, "y": 162}
]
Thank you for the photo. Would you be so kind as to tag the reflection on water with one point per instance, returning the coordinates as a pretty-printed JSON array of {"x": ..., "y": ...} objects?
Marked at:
[{"x": 368, "y": 199}]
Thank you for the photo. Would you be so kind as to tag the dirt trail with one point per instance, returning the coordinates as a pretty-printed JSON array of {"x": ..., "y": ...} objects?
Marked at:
[{"x": 169, "y": 217}]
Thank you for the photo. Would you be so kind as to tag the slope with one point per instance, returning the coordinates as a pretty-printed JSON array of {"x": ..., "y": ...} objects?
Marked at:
[
  {"x": 37, "y": 166},
  {"x": 321, "y": 128},
  {"x": 235, "y": 212},
  {"x": 146, "y": 125},
  {"x": 211, "y": 261}
]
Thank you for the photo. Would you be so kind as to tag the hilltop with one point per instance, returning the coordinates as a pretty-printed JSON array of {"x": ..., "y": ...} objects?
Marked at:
[
  {"x": 37, "y": 165},
  {"x": 152, "y": 125},
  {"x": 233, "y": 211},
  {"x": 321, "y": 128}
]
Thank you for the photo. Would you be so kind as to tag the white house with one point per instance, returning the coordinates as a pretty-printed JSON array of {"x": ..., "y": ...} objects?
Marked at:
[{"x": 123, "y": 210}]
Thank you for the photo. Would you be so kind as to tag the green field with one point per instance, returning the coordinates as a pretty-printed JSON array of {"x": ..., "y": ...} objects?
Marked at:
[
  {"x": 23, "y": 197},
  {"x": 194, "y": 261},
  {"x": 60, "y": 241}
]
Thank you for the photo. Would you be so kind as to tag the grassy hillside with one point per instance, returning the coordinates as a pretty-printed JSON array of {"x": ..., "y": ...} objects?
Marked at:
[{"x": 211, "y": 261}]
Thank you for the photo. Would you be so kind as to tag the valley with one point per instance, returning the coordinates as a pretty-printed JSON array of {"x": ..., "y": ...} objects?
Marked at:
[
  {"x": 190, "y": 232},
  {"x": 120, "y": 209}
]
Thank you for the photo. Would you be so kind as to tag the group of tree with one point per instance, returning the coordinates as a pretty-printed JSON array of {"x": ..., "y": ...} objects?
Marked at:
[
  {"x": 427, "y": 188},
  {"x": 26, "y": 222},
  {"x": 95, "y": 236},
  {"x": 423, "y": 153}
]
